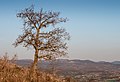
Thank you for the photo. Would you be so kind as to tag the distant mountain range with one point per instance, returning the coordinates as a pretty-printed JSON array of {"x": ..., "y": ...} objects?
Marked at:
[
  {"x": 116, "y": 62},
  {"x": 65, "y": 65},
  {"x": 79, "y": 69}
]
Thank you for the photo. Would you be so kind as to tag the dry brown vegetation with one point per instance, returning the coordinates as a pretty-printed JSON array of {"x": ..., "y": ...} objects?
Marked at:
[{"x": 10, "y": 72}]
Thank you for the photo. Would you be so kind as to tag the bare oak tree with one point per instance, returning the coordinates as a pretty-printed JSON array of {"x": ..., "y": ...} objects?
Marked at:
[{"x": 47, "y": 45}]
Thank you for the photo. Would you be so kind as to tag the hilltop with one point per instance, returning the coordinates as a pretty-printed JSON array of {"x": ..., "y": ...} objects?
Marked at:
[
  {"x": 60, "y": 70},
  {"x": 10, "y": 72}
]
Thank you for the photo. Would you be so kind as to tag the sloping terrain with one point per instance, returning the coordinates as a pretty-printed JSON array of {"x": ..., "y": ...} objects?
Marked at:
[{"x": 10, "y": 72}]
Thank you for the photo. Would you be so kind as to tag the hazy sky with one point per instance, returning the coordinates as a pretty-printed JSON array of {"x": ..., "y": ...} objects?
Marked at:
[{"x": 94, "y": 26}]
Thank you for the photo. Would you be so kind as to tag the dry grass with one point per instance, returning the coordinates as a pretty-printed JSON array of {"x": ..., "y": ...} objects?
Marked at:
[{"x": 10, "y": 72}]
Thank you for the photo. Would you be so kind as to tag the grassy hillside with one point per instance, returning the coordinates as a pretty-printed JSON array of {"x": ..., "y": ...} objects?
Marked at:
[{"x": 10, "y": 72}]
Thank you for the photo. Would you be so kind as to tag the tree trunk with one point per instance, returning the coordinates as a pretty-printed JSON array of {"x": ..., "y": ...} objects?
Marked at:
[
  {"x": 34, "y": 65},
  {"x": 33, "y": 69}
]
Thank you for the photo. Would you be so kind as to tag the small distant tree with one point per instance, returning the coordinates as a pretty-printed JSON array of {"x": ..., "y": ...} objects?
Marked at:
[{"x": 46, "y": 44}]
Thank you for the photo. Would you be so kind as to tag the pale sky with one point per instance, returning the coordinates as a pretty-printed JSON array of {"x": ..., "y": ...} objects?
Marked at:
[{"x": 94, "y": 26}]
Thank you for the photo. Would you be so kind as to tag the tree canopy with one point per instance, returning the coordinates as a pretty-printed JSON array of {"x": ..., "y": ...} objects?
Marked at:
[{"x": 47, "y": 45}]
